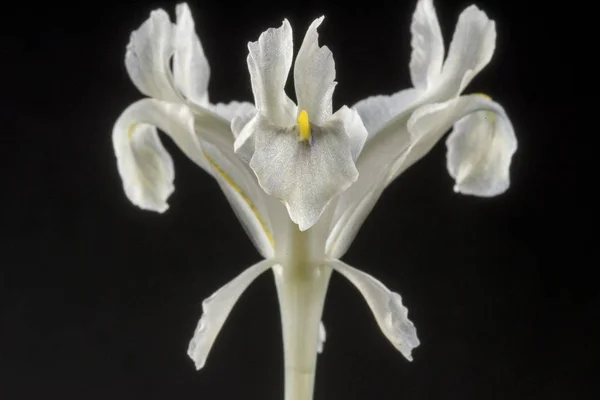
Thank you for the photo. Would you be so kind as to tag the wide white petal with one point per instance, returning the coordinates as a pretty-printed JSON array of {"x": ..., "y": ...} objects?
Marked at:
[
  {"x": 314, "y": 76},
  {"x": 480, "y": 163},
  {"x": 470, "y": 51},
  {"x": 378, "y": 111},
  {"x": 269, "y": 61},
  {"x": 304, "y": 175},
  {"x": 215, "y": 310},
  {"x": 145, "y": 167},
  {"x": 190, "y": 66},
  {"x": 480, "y": 150},
  {"x": 148, "y": 54},
  {"x": 387, "y": 308},
  {"x": 427, "y": 45}
]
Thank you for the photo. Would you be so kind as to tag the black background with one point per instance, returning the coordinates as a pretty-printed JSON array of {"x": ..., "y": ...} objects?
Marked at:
[{"x": 99, "y": 299}]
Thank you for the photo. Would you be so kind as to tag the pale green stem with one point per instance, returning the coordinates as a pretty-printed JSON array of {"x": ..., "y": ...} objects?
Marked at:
[{"x": 301, "y": 286}]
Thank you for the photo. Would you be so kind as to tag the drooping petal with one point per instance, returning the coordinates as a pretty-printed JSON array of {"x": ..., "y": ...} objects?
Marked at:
[
  {"x": 480, "y": 149},
  {"x": 470, "y": 51},
  {"x": 190, "y": 66},
  {"x": 269, "y": 62},
  {"x": 305, "y": 175},
  {"x": 390, "y": 314},
  {"x": 479, "y": 152},
  {"x": 215, "y": 310},
  {"x": 427, "y": 45},
  {"x": 145, "y": 167},
  {"x": 314, "y": 76},
  {"x": 378, "y": 111},
  {"x": 148, "y": 54}
]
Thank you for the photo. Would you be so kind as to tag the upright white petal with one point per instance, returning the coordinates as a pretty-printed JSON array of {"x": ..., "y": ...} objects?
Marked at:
[
  {"x": 269, "y": 62},
  {"x": 387, "y": 308},
  {"x": 215, "y": 310},
  {"x": 314, "y": 76},
  {"x": 304, "y": 175},
  {"x": 147, "y": 58},
  {"x": 145, "y": 167},
  {"x": 471, "y": 49},
  {"x": 190, "y": 65},
  {"x": 427, "y": 46}
]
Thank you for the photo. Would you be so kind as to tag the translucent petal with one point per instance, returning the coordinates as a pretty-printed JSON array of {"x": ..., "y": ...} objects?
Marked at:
[
  {"x": 190, "y": 66},
  {"x": 314, "y": 76},
  {"x": 269, "y": 62},
  {"x": 480, "y": 149},
  {"x": 387, "y": 308},
  {"x": 145, "y": 167},
  {"x": 470, "y": 51},
  {"x": 427, "y": 45},
  {"x": 216, "y": 309},
  {"x": 322, "y": 337},
  {"x": 147, "y": 58}
]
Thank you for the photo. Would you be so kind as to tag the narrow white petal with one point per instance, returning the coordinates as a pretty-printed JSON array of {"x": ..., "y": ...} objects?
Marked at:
[
  {"x": 314, "y": 76},
  {"x": 480, "y": 149},
  {"x": 470, "y": 51},
  {"x": 378, "y": 111},
  {"x": 215, "y": 310},
  {"x": 304, "y": 175},
  {"x": 190, "y": 66},
  {"x": 244, "y": 194},
  {"x": 269, "y": 62},
  {"x": 147, "y": 59},
  {"x": 387, "y": 308},
  {"x": 427, "y": 45},
  {"x": 145, "y": 167},
  {"x": 322, "y": 337}
]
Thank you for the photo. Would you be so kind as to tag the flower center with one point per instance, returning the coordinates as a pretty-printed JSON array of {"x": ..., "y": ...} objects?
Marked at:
[{"x": 304, "y": 126}]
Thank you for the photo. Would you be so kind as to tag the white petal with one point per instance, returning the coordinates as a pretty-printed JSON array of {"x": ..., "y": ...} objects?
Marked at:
[
  {"x": 147, "y": 59},
  {"x": 483, "y": 172},
  {"x": 480, "y": 149},
  {"x": 269, "y": 61},
  {"x": 322, "y": 338},
  {"x": 229, "y": 111},
  {"x": 427, "y": 45},
  {"x": 144, "y": 165},
  {"x": 245, "y": 196},
  {"x": 470, "y": 51},
  {"x": 190, "y": 65},
  {"x": 390, "y": 314},
  {"x": 314, "y": 76},
  {"x": 304, "y": 175},
  {"x": 354, "y": 128},
  {"x": 215, "y": 310},
  {"x": 378, "y": 111}
]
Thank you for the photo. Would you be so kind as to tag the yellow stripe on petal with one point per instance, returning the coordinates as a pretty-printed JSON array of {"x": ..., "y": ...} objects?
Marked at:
[
  {"x": 244, "y": 196},
  {"x": 130, "y": 131},
  {"x": 304, "y": 125}
]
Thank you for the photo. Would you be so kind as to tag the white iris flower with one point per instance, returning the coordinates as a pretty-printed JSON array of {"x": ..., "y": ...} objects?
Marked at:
[{"x": 302, "y": 178}]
